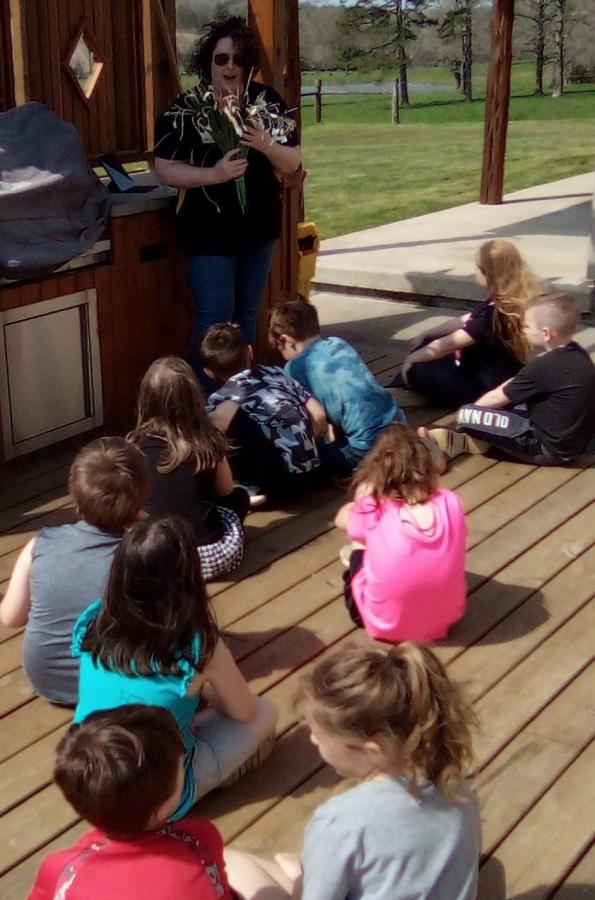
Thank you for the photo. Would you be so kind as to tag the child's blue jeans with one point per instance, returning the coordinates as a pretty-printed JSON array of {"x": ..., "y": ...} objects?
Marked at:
[{"x": 227, "y": 289}]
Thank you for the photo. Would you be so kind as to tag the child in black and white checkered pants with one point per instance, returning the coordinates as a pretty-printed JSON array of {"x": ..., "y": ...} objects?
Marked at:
[{"x": 190, "y": 474}]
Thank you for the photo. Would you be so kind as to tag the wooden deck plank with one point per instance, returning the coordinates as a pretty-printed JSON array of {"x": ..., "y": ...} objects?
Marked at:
[
  {"x": 499, "y": 478},
  {"x": 506, "y": 588},
  {"x": 10, "y": 655},
  {"x": 28, "y": 510},
  {"x": 523, "y": 531},
  {"x": 563, "y": 819},
  {"x": 515, "y": 700},
  {"x": 33, "y": 823},
  {"x": 14, "y": 541},
  {"x": 27, "y": 772},
  {"x": 17, "y": 882},
  {"x": 511, "y": 784},
  {"x": 530, "y": 623},
  {"x": 7, "y": 633},
  {"x": 285, "y": 611},
  {"x": 28, "y": 724},
  {"x": 15, "y": 690},
  {"x": 49, "y": 468},
  {"x": 579, "y": 884},
  {"x": 522, "y": 505}
]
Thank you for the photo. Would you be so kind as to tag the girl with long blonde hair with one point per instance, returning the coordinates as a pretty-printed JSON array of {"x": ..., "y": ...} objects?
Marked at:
[{"x": 455, "y": 363}]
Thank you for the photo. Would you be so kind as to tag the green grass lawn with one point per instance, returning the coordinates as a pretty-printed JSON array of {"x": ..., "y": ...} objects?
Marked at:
[{"x": 364, "y": 171}]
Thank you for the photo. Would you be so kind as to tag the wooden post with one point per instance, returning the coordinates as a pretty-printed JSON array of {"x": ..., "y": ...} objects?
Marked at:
[
  {"x": 15, "y": 22},
  {"x": 148, "y": 63},
  {"x": 318, "y": 101},
  {"x": 275, "y": 24},
  {"x": 395, "y": 115},
  {"x": 497, "y": 101}
]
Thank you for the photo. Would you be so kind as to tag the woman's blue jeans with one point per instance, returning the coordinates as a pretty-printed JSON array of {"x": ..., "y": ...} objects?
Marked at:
[{"x": 227, "y": 289}]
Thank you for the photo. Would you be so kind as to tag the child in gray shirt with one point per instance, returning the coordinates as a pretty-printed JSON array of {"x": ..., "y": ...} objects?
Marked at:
[
  {"x": 59, "y": 572},
  {"x": 392, "y": 720}
]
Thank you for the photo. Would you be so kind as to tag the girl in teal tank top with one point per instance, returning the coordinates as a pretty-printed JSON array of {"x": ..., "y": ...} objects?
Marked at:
[{"x": 153, "y": 640}]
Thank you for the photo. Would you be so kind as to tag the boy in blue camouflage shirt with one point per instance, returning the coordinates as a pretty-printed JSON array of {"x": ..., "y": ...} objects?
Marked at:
[{"x": 334, "y": 373}]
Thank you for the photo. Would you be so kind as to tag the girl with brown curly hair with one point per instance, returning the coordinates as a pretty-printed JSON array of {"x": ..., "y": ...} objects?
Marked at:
[{"x": 406, "y": 573}]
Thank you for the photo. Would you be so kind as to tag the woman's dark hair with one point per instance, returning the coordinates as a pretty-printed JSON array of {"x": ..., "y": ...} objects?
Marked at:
[
  {"x": 155, "y": 604},
  {"x": 243, "y": 39}
]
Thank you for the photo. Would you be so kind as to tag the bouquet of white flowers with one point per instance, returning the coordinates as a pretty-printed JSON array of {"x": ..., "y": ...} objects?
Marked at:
[{"x": 220, "y": 119}]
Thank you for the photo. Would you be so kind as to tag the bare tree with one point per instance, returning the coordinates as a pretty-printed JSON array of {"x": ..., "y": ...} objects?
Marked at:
[
  {"x": 540, "y": 14},
  {"x": 457, "y": 24},
  {"x": 560, "y": 29}
]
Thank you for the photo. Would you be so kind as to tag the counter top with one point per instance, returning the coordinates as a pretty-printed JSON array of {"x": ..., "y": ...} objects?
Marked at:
[{"x": 130, "y": 204}]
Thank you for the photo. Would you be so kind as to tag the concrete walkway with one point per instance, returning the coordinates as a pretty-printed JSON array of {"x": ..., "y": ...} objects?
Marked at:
[{"x": 433, "y": 255}]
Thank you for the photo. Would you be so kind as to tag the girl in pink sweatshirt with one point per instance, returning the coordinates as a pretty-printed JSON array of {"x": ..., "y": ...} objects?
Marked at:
[{"x": 406, "y": 574}]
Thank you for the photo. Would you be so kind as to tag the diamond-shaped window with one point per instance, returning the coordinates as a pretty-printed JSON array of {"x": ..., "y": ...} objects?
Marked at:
[{"x": 84, "y": 62}]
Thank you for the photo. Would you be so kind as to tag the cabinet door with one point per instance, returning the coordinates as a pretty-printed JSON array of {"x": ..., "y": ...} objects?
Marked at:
[{"x": 50, "y": 354}]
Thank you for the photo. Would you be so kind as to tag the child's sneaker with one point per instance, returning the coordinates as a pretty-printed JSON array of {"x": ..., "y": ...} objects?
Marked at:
[
  {"x": 455, "y": 443},
  {"x": 257, "y": 497}
]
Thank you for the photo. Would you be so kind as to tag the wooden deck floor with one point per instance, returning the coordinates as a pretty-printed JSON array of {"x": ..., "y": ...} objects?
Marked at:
[{"x": 525, "y": 648}]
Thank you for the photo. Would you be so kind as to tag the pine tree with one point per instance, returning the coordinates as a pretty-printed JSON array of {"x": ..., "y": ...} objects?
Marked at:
[{"x": 379, "y": 31}]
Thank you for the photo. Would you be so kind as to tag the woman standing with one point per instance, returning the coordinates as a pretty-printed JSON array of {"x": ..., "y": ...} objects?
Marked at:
[{"x": 229, "y": 208}]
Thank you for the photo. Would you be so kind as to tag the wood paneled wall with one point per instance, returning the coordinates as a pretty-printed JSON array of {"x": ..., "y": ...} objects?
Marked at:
[
  {"x": 128, "y": 36},
  {"x": 6, "y": 76}
]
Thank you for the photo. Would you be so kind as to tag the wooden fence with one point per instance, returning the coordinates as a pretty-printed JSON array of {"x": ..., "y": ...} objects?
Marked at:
[{"x": 317, "y": 94}]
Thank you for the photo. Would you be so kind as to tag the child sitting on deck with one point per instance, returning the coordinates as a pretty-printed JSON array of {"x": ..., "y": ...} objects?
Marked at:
[
  {"x": 270, "y": 420},
  {"x": 392, "y": 720},
  {"x": 153, "y": 640},
  {"x": 406, "y": 575},
  {"x": 62, "y": 569},
  {"x": 456, "y": 363},
  {"x": 189, "y": 472},
  {"x": 557, "y": 425},
  {"x": 332, "y": 370},
  {"x": 123, "y": 771}
]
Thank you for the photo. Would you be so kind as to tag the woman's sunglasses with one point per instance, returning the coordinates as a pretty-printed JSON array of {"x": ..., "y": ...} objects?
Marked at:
[{"x": 221, "y": 59}]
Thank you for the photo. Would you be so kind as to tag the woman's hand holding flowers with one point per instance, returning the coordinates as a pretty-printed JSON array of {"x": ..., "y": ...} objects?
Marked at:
[
  {"x": 256, "y": 137},
  {"x": 229, "y": 167}
]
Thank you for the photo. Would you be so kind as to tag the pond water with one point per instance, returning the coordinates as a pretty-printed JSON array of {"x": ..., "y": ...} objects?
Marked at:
[{"x": 375, "y": 87}]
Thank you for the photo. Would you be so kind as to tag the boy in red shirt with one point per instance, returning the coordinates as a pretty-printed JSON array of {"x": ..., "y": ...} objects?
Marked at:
[{"x": 122, "y": 770}]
